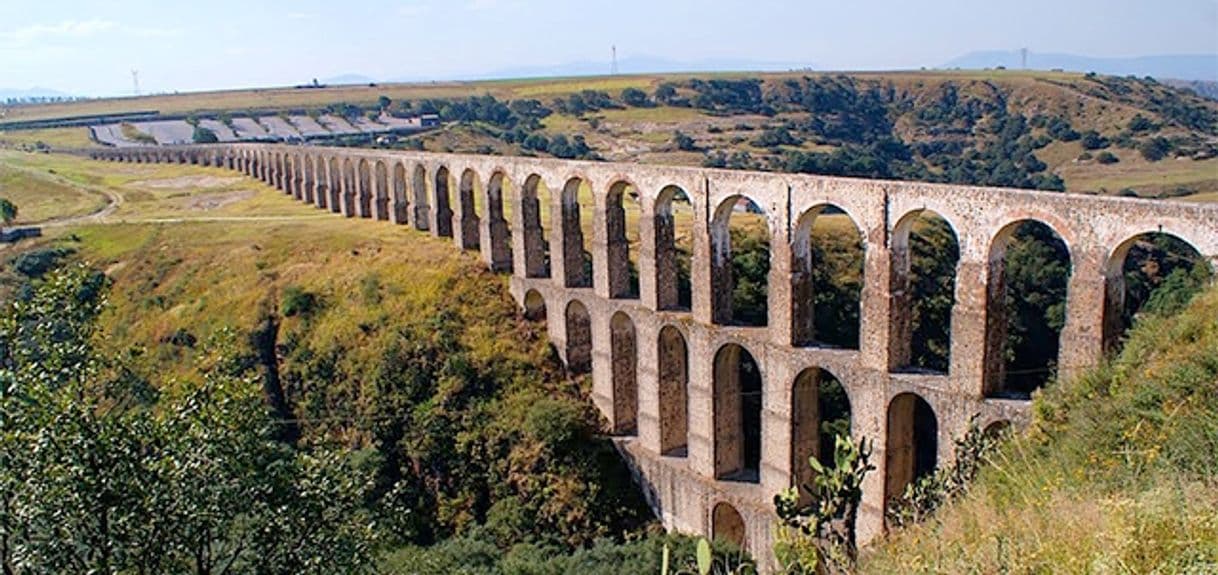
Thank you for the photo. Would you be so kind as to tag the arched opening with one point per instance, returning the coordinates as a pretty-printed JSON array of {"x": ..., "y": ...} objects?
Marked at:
[
  {"x": 1029, "y": 271},
  {"x": 298, "y": 177},
  {"x": 912, "y": 449},
  {"x": 622, "y": 206},
  {"x": 469, "y": 210},
  {"x": 336, "y": 186},
  {"x": 674, "y": 216},
  {"x": 536, "y": 241},
  {"x": 422, "y": 205},
  {"x": 443, "y": 203},
  {"x": 577, "y": 260},
  {"x": 674, "y": 392},
  {"x": 309, "y": 185},
  {"x": 364, "y": 192},
  {"x": 826, "y": 279},
  {"x": 727, "y": 525},
  {"x": 925, "y": 254},
  {"x": 380, "y": 206},
  {"x": 401, "y": 206},
  {"x": 625, "y": 359},
  {"x": 350, "y": 190},
  {"x": 820, "y": 413},
  {"x": 737, "y": 415},
  {"x": 499, "y": 232},
  {"x": 997, "y": 429},
  {"x": 740, "y": 263},
  {"x": 534, "y": 306},
  {"x": 579, "y": 338},
  {"x": 1151, "y": 272}
]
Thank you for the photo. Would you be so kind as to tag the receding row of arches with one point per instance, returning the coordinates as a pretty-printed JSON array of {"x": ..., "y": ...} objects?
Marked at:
[
  {"x": 820, "y": 404},
  {"x": 1026, "y": 298}
]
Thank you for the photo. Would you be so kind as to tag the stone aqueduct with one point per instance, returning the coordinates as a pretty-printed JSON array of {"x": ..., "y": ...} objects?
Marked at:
[{"x": 664, "y": 376}]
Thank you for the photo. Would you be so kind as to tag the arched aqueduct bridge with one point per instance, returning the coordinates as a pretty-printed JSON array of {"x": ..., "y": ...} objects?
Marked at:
[{"x": 667, "y": 377}]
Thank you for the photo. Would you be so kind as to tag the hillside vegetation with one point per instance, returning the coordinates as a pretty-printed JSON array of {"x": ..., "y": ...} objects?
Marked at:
[
  {"x": 1117, "y": 473},
  {"x": 1083, "y": 133}
]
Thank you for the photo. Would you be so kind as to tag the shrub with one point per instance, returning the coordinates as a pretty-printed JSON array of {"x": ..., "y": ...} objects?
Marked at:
[
  {"x": 36, "y": 263},
  {"x": 297, "y": 301},
  {"x": 1155, "y": 149},
  {"x": 683, "y": 141},
  {"x": 1107, "y": 158},
  {"x": 1092, "y": 140},
  {"x": 204, "y": 136}
]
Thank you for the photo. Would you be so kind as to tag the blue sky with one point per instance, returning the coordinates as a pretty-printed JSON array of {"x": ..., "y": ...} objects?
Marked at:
[{"x": 90, "y": 46}]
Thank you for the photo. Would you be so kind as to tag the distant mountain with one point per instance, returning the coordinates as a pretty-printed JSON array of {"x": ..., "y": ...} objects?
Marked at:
[
  {"x": 1201, "y": 87},
  {"x": 1178, "y": 66},
  {"x": 347, "y": 79},
  {"x": 631, "y": 65},
  {"x": 6, "y": 93}
]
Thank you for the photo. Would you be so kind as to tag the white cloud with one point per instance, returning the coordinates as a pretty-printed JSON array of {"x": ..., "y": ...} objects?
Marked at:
[{"x": 68, "y": 29}]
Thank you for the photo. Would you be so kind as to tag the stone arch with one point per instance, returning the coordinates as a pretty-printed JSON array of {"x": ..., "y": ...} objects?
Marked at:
[
  {"x": 737, "y": 414},
  {"x": 380, "y": 205},
  {"x": 673, "y": 392},
  {"x": 350, "y": 189},
  {"x": 728, "y": 525},
  {"x": 827, "y": 276},
  {"x": 401, "y": 205},
  {"x": 820, "y": 412},
  {"x": 672, "y": 263},
  {"x": 724, "y": 281},
  {"x": 579, "y": 337},
  {"x": 536, "y": 248},
  {"x": 363, "y": 190},
  {"x": 998, "y": 428},
  {"x": 422, "y": 203},
  {"x": 298, "y": 177},
  {"x": 443, "y": 203},
  {"x": 625, "y": 359},
  {"x": 623, "y": 278},
  {"x": 336, "y": 186},
  {"x": 308, "y": 188},
  {"x": 1130, "y": 283},
  {"x": 467, "y": 191},
  {"x": 924, "y": 258},
  {"x": 576, "y": 259},
  {"x": 1016, "y": 369},
  {"x": 498, "y": 231},
  {"x": 534, "y": 306},
  {"x": 912, "y": 447}
]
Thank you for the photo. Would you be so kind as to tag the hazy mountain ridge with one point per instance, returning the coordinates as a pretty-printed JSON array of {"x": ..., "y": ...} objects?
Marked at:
[{"x": 1178, "y": 66}]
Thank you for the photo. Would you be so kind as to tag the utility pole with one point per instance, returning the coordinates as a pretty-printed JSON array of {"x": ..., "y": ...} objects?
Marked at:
[
  {"x": 135, "y": 82},
  {"x": 613, "y": 67}
]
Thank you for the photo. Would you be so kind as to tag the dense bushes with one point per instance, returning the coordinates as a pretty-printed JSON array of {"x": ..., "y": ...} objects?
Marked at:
[{"x": 466, "y": 431}]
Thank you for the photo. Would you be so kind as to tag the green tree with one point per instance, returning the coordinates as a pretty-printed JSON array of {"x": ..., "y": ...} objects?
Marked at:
[
  {"x": 820, "y": 536},
  {"x": 8, "y": 211},
  {"x": 203, "y": 135},
  {"x": 104, "y": 471}
]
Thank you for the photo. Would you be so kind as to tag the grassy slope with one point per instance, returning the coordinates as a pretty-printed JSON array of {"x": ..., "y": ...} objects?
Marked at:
[
  {"x": 1119, "y": 472},
  {"x": 42, "y": 193}
]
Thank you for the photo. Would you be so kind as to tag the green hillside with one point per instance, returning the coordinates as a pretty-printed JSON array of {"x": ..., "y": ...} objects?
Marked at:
[{"x": 1117, "y": 473}]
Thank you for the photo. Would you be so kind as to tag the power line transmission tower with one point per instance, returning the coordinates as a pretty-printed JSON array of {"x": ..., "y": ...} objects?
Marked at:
[
  {"x": 135, "y": 82},
  {"x": 613, "y": 67},
  {"x": 1023, "y": 57}
]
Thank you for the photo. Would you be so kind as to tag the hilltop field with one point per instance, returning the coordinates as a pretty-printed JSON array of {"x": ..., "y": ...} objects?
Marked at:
[{"x": 1081, "y": 133}]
